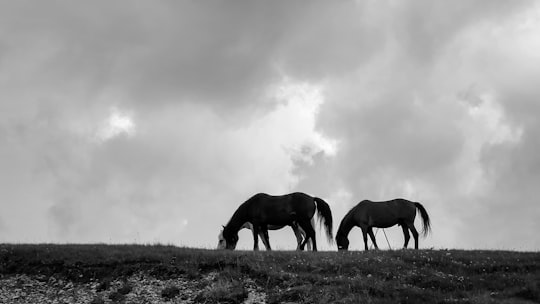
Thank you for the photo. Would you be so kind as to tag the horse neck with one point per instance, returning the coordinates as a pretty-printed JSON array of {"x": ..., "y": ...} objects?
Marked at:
[
  {"x": 346, "y": 225},
  {"x": 238, "y": 219}
]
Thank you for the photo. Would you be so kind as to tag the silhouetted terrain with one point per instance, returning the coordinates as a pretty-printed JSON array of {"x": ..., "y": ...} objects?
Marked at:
[{"x": 168, "y": 274}]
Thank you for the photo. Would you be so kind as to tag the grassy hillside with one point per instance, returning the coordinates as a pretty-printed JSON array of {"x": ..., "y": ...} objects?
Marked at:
[{"x": 212, "y": 276}]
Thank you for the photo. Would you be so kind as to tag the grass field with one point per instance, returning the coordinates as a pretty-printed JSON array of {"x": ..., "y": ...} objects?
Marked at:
[{"x": 401, "y": 276}]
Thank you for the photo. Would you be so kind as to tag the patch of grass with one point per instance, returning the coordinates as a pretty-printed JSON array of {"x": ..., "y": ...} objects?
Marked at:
[
  {"x": 97, "y": 300},
  {"x": 125, "y": 289},
  {"x": 170, "y": 292},
  {"x": 223, "y": 291},
  {"x": 120, "y": 294},
  {"x": 116, "y": 296},
  {"x": 530, "y": 291},
  {"x": 407, "y": 276},
  {"x": 104, "y": 285}
]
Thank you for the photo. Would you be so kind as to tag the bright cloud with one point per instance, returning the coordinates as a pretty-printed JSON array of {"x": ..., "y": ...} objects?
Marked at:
[{"x": 116, "y": 124}]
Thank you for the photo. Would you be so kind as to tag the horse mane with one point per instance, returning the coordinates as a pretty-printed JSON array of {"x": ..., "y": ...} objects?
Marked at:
[
  {"x": 241, "y": 212},
  {"x": 355, "y": 207},
  {"x": 346, "y": 218},
  {"x": 237, "y": 213}
]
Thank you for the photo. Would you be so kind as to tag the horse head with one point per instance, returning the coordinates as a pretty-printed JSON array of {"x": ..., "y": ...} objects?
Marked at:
[
  {"x": 221, "y": 240},
  {"x": 342, "y": 242},
  {"x": 230, "y": 238}
]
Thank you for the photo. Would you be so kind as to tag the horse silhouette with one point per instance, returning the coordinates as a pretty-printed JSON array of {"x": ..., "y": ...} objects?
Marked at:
[
  {"x": 368, "y": 214},
  {"x": 298, "y": 232},
  {"x": 262, "y": 210}
]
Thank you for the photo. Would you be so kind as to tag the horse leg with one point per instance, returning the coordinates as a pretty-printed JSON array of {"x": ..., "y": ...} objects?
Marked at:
[
  {"x": 303, "y": 236},
  {"x": 364, "y": 234},
  {"x": 310, "y": 234},
  {"x": 414, "y": 234},
  {"x": 255, "y": 231},
  {"x": 261, "y": 235},
  {"x": 265, "y": 238},
  {"x": 310, "y": 242},
  {"x": 299, "y": 236},
  {"x": 406, "y": 235},
  {"x": 372, "y": 236}
]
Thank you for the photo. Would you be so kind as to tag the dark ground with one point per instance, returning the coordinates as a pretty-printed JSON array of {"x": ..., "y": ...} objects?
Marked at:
[{"x": 401, "y": 276}]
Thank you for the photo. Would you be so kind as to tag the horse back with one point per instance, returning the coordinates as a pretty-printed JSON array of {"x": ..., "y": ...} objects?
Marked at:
[
  {"x": 280, "y": 209},
  {"x": 403, "y": 206},
  {"x": 388, "y": 212}
]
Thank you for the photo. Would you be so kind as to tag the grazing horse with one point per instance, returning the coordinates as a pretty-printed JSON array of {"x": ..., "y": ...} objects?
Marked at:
[
  {"x": 262, "y": 210},
  {"x": 368, "y": 214},
  {"x": 298, "y": 232}
]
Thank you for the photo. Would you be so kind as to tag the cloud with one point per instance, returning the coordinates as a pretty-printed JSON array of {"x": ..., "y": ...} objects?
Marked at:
[
  {"x": 146, "y": 122},
  {"x": 116, "y": 124},
  {"x": 422, "y": 117},
  {"x": 124, "y": 175}
]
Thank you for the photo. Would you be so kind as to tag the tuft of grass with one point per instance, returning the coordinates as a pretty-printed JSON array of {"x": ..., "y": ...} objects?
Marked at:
[
  {"x": 97, "y": 300},
  {"x": 104, "y": 285},
  {"x": 223, "y": 291},
  {"x": 170, "y": 292},
  {"x": 125, "y": 289},
  {"x": 530, "y": 291},
  {"x": 116, "y": 296},
  {"x": 120, "y": 294}
]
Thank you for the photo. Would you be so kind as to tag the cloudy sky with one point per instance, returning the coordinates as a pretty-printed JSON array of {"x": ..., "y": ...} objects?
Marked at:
[{"x": 151, "y": 121}]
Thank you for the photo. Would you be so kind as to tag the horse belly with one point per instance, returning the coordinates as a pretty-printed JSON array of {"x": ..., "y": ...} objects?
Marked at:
[
  {"x": 383, "y": 225},
  {"x": 278, "y": 218},
  {"x": 381, "y": 222}
]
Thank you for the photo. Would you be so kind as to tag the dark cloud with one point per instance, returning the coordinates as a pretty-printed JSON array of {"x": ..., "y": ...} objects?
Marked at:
[{"x": 159, "y": 53}]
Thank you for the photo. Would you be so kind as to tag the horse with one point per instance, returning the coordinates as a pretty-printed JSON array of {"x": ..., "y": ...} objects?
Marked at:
[
  {"x": 368, "y": 214},
  {"x": 262, "y": 210},
  {"x": 298, "y": 232}
]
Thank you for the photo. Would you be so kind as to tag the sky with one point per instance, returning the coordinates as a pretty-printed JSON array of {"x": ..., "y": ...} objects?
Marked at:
[{"x": 152, "y": 121}]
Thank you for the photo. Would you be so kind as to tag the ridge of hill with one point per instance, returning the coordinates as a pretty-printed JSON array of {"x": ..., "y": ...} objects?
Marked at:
[{"x": 98, "y": 273}]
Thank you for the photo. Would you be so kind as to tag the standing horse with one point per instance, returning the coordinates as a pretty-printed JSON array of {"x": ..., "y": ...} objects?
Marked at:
[
  {"x": 262, "y": 210},
  {"x": 298, "y": 232},
  {"x": 368, "y": 214}
]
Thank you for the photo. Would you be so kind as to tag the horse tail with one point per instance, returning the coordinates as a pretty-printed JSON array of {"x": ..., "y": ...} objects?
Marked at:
[
  {"x": 325, "y": 217},
  {"x": 425, "y": 219}
]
